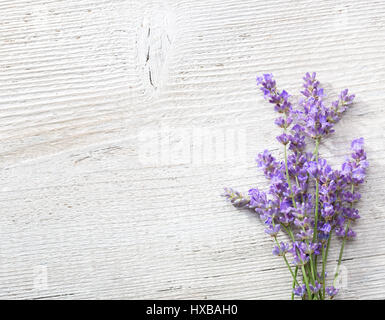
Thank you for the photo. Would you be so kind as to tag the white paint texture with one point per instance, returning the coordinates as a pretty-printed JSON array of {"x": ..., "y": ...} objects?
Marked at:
[{"x": 83, "y": 216}]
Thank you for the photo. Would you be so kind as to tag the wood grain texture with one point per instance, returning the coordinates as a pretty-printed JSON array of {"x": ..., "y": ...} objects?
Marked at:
[{"x": 81, "y": 84}]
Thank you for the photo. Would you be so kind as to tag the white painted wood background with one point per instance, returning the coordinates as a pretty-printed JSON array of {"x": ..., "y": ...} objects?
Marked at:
[{"x": 84, "y": 213}]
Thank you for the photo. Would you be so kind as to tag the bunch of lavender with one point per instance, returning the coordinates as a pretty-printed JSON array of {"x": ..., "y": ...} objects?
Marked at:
[{"x": 307, "y": 199}]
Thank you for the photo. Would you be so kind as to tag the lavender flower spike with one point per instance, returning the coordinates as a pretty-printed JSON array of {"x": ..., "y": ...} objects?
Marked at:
[{"x": 236, "y": 198}]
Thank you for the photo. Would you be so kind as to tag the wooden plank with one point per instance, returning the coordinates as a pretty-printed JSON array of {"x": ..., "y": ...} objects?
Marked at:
[{"x": 93, "y": 206}]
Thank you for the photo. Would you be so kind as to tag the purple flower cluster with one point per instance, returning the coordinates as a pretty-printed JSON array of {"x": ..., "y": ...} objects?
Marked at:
[
  {"x": 316, "y": 118},
  {"x": 307, "y": 199}
]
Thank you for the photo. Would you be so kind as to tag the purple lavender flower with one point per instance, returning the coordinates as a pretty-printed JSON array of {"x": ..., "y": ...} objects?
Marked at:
[
  {"x": 350, "y": 234},
  {"x": 357, "y": 145},
  {"x": 325, "y": 228},
  {"x": 236, "y": 198},
  {"x": 283, "y": 123},
  {"x": 327, "y": 210},
  {"x": 358, "y": 175},
  {"x": 268, "y": 85},
  {"x": 299, "y": 254},
  {"x": 350, "y": 197},
  {"x": 317, "y": 287},
  {"x": 306, "y": 198},
  {"x": 318, "y": 119},
  {"x": 270, "y": 93},
  {"x": 340, "y": 106},
  {"x": 268, "y": 163},
  {"x": 297, "y": 139},
  {"x": 286, "y": 213},
  {"x": 312, "y": 169},
  {"x": 340, "y": 231},
  {"x": 281, "y": 250},
  {"x": 280, "y": 122},
  {"x": 331, "y": 291},
  {"x": 300, "y": 291},
  {"x": 272, "y": 230},
  {"x": 350, "y": 213},
  {"x": 311, "y": 86},
  {"x": 354, "y": 169},
  {"x": 283, "y": 138},
  {"x": 309, "y": 248},
  {"x": 345, "y": 232},
  {"x": 258, "y": 200}
]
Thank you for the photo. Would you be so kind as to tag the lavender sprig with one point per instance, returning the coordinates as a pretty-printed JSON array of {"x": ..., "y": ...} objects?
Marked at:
[
  {"x": 307, "y": 215},
  {"x": 236, "y": 198}
]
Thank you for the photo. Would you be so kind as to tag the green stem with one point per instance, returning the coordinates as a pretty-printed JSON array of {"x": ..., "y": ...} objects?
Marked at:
[
  {"x": 313, "y": 275},
  {"x": 341, "y": 252},
  {"x": 306, "y": 281},
  {"x": 324, "y": 259},
  {"x": 309, "y": 269},
  {"x": 340, "y": 255},
  {"x": 287, "y": 171},
  {"x": 316, "y": 195},
  {"x": 288, "y": 179},
  {"x": 289, "y": 232},
  {"x": 294, "y": 280},
  {"x": 342, "y": 247},
  {"x": 315, "y": 231},
  {"x": 291, "y": 271}
]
